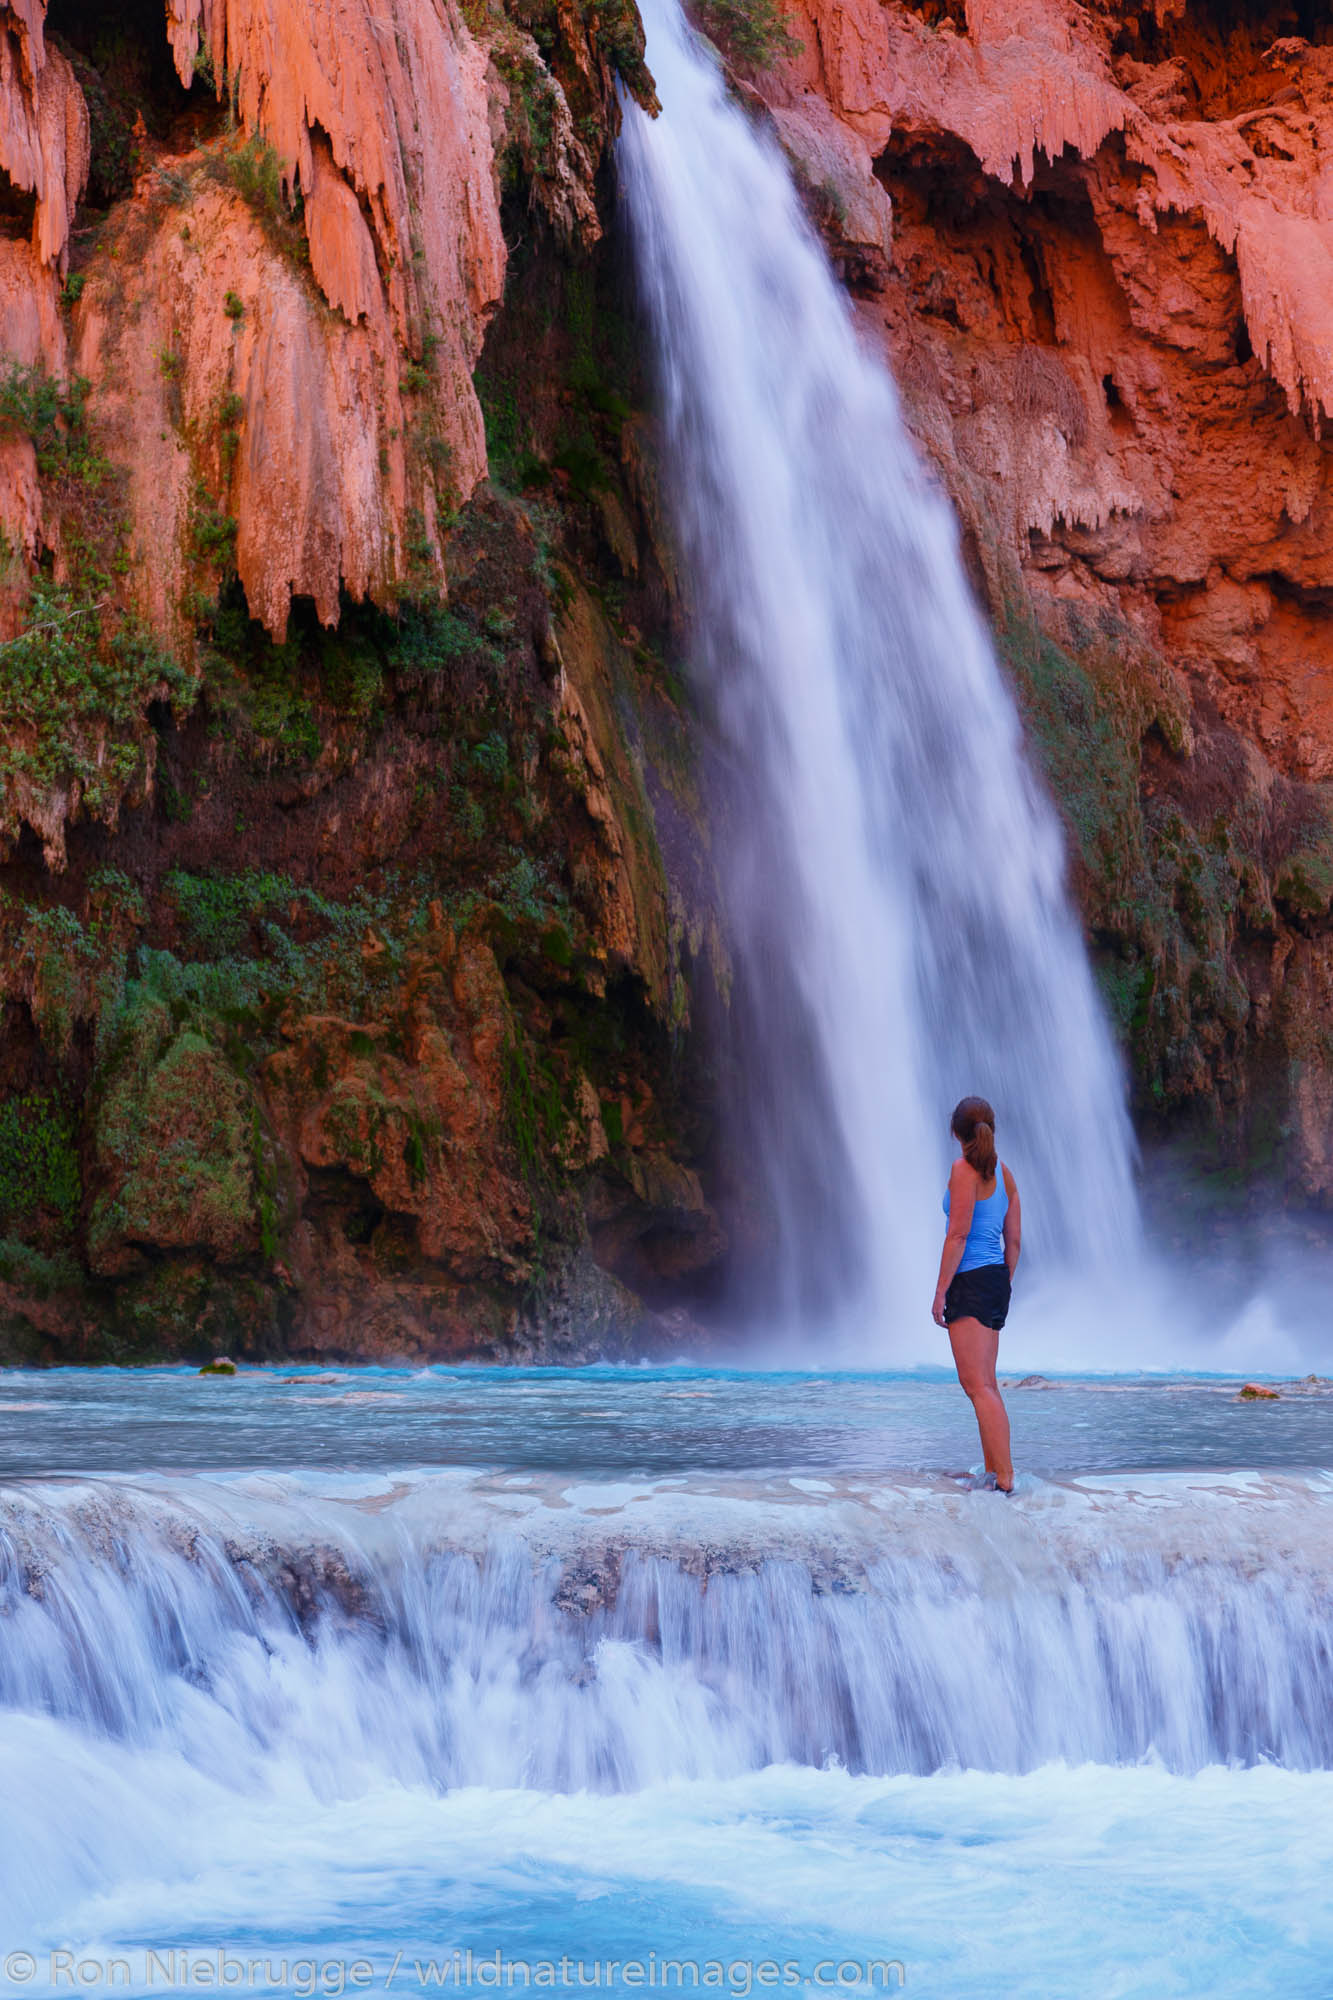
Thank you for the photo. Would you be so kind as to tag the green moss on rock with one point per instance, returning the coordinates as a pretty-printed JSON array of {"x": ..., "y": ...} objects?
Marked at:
[{"x": 172, "y": 1147}]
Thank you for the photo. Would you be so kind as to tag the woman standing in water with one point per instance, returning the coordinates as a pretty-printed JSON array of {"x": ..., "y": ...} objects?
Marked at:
[{"x": 976, "y": 1272}]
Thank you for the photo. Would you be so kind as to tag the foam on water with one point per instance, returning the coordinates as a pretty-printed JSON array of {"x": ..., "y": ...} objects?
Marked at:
[
  {"x": 1132, "y": 1882},
  {"x": 733, "y": 1718},
  {"x": 456, "y": 1630}
]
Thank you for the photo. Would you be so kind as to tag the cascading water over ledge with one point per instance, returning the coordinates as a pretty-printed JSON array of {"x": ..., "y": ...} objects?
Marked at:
[
  {"x": 451, "y": 1630},
  {"x": 894, "y": 881}
]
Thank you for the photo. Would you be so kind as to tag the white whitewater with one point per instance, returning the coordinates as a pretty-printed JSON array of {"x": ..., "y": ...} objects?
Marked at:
[
  {"x": 309, "y": 1719},
  {"x": 895, "y": 881},
  {"x": 465, "y": 1629}
]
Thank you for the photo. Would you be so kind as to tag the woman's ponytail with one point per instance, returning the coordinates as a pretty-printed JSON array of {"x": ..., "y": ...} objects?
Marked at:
[
  {"x": 979, "y": 1152},
  {"x": 973, "y": 1125}
]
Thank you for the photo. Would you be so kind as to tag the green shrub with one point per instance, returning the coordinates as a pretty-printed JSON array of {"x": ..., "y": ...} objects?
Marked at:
[
  {"x": 255, "y": 171},
  {"x": 212, "y": 533},
  {"x": 52, "y": 414},
  {"x": 428, "y": 643},
  {"x": 82, "y": 492},
  {"x": 352, "y": 674},
  {"x": 218, "y": 912},
  {"x": 173, "y": 1142},
  {"x": 34, "y": 1272},
  {"x": 73, "y": 695},
  {"x": 491, "y": 757},
  {"x": 256, "y": 174},
  {"x": 620, "y": 33},
  {"x": 525, "y": 891},
  {"x": 39, "y": 1160},
  {"x": 1304, "y": 881},
  {"x": 749, "y": 32}
]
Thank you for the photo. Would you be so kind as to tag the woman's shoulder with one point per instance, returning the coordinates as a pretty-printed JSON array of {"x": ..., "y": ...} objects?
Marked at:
[{"x": 1010, "y": 1184}]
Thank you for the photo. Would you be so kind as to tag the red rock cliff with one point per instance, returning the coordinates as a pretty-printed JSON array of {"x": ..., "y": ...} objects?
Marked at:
[{"x": 349, "y": 875}]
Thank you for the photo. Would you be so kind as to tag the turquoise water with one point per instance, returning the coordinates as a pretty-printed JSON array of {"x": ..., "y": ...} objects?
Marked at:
[
  {"x": 316, "y": 1679},
  {"x": 609, "y": 1420}
]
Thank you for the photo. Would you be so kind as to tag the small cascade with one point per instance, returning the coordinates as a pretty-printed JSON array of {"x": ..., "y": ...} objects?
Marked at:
[{"x": 438, "y": 1638}]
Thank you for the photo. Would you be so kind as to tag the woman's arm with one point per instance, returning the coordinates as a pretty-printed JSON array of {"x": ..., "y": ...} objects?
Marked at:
[
  {"x": 962, "y": 1200},
  {"x": 1013, "y": 1224}
]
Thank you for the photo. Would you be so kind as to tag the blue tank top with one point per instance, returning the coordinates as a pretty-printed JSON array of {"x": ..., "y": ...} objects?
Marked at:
[{"x": 985, "y": 1237}]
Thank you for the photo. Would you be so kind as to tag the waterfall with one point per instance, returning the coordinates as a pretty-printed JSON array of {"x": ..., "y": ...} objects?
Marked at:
[
  {"x": 894, "y": 879},
  {"x": 456, "y": 1631}
]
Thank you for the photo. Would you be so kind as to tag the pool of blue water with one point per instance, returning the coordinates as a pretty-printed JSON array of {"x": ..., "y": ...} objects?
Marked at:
[{"x": 605, "y": 1421}]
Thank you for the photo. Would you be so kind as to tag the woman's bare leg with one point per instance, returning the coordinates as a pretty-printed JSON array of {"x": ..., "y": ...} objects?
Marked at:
[{"x": 975, "y": 1348}]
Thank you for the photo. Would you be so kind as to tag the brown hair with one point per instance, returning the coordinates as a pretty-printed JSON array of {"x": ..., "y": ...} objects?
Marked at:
[{"x": 973, "y": 1124}]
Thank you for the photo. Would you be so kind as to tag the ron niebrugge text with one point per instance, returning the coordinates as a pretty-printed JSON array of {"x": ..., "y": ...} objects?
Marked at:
[{"x": 310, "y": 1978}]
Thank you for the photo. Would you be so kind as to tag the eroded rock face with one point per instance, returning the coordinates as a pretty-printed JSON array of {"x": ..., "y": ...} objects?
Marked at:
[
  {"x": 228, "y": 388},
  {"x": 381, "y": 117},
  {"x": 344, "y": 984},
  {"x": 1109, "y": 309},
  {"x": 366, "y": 148},
  {"x": 387, "y": 935},
  {"x": 417, "y": 1111},
  {"x": 44, "y": 146}
]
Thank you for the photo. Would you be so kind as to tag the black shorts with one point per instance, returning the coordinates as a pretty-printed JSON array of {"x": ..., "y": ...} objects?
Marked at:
[{"x": 981, "y": 1294}]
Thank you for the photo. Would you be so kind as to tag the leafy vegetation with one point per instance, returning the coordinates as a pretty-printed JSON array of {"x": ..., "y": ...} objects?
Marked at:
[
  {"x": 218, "y": 913},
  {"x": 514, "y": 465},
  {"x": 80, "y": 485},
  {"x": 68, "y": 969},
  {"x": 751, "y": 33},
  {"x": 255, "y": 170},
  {"x": 76, "y": 680},
  {"x": 39, "y": 1160},
  {"x": 37, "y": 1272},
  {"x": 74, "y": 686},
  {"x": 279, "y": 701},
  {"x": 114, "y": 145},
  {"x": 532, "y": 116},
  {"x": 620, "y": 35},
  {"x": 212, "y": 534},
  {"x": 173, "y": 1140},
  {"x": 535, "y": 1109}
]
